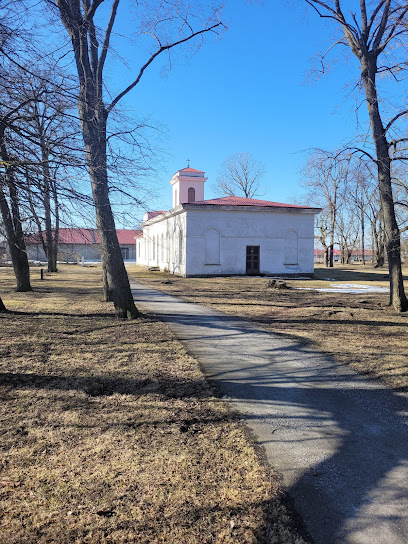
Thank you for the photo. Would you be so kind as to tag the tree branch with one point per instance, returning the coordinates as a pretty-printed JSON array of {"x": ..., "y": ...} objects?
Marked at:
[
  {"x": 382, "y": 27},
  {"x": 105, "y": 45},
  {"x": 395, "y": 118},
  {"x": 92, "y": 9},
  {"x": 151, "y": 59}
]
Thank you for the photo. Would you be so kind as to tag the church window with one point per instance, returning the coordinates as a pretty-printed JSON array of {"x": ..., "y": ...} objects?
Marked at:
[
  {"x": 291, "y": 247},
  {"x": 162, "y": 248},
  {"x": 154, "y": 249},
  {"x": 191, "y": 194},
  {"x": 212, "y": 246}
]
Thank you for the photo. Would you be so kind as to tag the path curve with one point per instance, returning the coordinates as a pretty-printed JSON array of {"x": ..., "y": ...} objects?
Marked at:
[{"x": 339, "y": 440}]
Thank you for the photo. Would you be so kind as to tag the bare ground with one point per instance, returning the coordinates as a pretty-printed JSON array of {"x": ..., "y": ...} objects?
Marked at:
[
  {"x": 356, "y": 329},
  {"x": 110, "y": 433}
]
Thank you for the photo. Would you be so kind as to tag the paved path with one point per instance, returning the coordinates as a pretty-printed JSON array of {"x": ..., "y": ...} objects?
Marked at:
[{"x": 340, "y": 441}]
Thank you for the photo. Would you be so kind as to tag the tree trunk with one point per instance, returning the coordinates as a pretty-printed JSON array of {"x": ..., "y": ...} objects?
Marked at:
[
  {"x": 17, "y": 248},
  {"x": 15, "y": 237},
  {"x": 12, "y": 224},
  {"x": 57, "y": 223},
  {"x": 93, "y": 117},
  {"x": 3, "y": 309},
  {"x": 378, "y": 245},
  {"x": 117, "y": 281},
  {"x": 331, "y": 256},
  {"x": 362, "y": 237},
  {"x": 392, "y": 235},
  {"x": 46, "y": 198},
  {"x": 106, "y": 293}
]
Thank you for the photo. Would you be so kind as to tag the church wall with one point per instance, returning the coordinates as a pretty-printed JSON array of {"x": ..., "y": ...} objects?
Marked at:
[
  {"x": 286, "y": 241},
  {"x": 163, "y": 245}
]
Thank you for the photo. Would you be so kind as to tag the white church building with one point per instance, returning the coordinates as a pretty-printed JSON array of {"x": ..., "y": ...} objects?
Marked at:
[{"x": 226, "y": 236}]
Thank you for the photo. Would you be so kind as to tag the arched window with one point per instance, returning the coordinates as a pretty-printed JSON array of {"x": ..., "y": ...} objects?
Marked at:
[
  {"x": 291, "y": 247},
  {"x": 162, "y": 248},
  {"x": 191, "y": 194},
  {"x": 212, "y": 246}
]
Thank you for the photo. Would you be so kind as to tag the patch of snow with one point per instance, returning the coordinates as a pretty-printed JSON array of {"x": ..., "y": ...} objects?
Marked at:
[{"x": 353, "y": 288}]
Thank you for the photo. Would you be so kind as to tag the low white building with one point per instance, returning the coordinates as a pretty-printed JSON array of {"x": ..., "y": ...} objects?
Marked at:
[{"x": 226, "y": 236}]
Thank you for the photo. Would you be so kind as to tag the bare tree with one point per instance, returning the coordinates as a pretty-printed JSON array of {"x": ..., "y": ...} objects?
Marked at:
[
  {"x": 347, "y": 231},
  {"x": 240, "y": 174},
  {"x": 373, "y": 36},
  {"x": 51, "y": 142},
  {"x": 90, "y": 49},
  {"x": 322, "y": 227},
  {"x": 326, "y": 176},
  {"x": 10, "y": 209},
  {"x": 362, "y": 197}
]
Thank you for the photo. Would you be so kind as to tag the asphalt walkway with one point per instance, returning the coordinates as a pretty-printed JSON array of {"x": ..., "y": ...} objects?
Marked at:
[{"x": 339, "y": 440}]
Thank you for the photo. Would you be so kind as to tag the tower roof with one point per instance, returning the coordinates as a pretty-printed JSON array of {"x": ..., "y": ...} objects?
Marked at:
[{"x": 189, "y": 170}]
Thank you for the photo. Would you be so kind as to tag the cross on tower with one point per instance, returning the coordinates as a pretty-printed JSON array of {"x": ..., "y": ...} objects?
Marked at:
[{"x": 188, "y": 163}]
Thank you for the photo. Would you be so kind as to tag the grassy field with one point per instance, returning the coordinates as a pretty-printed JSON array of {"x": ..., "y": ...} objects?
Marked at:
[
  {"x": 357, "y": 329},
  {"x": 109, "y": 432}
]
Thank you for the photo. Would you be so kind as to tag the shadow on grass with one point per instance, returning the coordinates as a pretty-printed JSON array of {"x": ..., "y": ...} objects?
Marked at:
[
  {"x": 352, "y": 274},
  {"x": 188, "y": 422},
  {"x": 95, "y": 315},
  {"x": 96, "y": 386}
]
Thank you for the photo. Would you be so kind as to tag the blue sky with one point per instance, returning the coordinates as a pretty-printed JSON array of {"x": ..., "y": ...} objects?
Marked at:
[{"x": 247, "y": 91}]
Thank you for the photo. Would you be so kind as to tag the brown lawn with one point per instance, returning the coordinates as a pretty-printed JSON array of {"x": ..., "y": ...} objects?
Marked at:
[
  {"x": 109, "y": 431},
  {"x": 360, "y": 330}
]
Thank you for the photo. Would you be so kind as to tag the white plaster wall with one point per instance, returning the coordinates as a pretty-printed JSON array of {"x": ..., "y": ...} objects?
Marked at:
[
  {"x": 164, "y": 236},
  {"x": 181, "y": 187},
  {"x": 240, "y": 228}
]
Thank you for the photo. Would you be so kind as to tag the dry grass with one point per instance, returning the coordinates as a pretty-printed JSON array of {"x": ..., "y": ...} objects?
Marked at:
[
  {"x": 360, "y": 330},
  {"x": 110, "y": 433}
]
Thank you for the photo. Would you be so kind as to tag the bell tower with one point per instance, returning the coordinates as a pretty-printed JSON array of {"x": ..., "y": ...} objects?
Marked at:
[{"x": 188, "y": 186}]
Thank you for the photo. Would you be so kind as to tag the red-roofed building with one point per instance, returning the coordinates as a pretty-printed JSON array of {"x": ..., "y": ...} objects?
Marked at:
[
  {"x": 226, "y": 236},
  {"x": 76, "y": 244},
  {"x": 355, "y": 256},
  {"x": 151, "y": 215},
  {"x": 320, "y": 255}
]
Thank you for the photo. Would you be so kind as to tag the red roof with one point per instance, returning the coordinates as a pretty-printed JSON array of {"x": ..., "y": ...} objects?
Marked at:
[
  {"x": 242, "y": 201},
  {"x": 150, "y": 215},
  {"x": 188, "y": 169},
  {"x": 322, "y": 252},
  {"x": 355, "y": 252},
  {"x": 86, "y": 236},
  {"x": 126, "y": 236}
]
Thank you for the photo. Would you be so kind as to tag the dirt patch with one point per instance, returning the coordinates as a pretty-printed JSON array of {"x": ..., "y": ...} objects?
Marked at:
[
  {"x": 357, "y": 329},
  {"x": 110, "y": 433}
]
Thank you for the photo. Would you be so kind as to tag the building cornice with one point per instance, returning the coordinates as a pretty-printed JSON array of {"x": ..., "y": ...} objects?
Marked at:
[
  {"x": 267, "y": 209},
  {"x": 216, "y": 207},
  {"x": 174, "y": 211}
]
